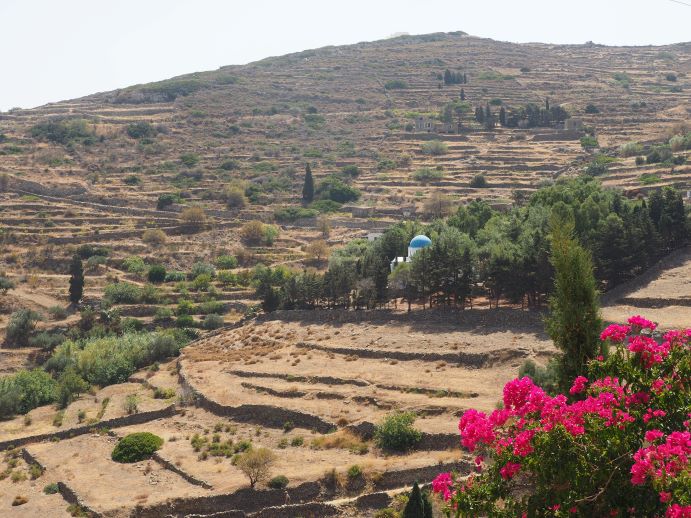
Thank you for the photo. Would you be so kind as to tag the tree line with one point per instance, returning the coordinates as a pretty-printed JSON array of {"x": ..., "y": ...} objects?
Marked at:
[{"x": 478, "y": 251}]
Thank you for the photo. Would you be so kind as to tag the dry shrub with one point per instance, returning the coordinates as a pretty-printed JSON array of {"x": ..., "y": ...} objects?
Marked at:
[{"x": 154, "y": 237}]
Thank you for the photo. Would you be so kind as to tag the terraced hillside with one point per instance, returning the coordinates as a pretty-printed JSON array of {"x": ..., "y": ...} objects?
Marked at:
[
  {"x": 266, "y": 383},
  {"x": 333, "y": 107}
]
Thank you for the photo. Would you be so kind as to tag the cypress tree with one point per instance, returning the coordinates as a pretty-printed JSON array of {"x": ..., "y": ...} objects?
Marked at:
[
  {"x": 308, "y": 187},
  {"x": 502, "y": 116},
  {"x": 465, "y": 79},
  {"x": 462, "y": 94},
  {"x": 76, "y": 279},
  {"x": 574, "y": 321},
  {"x": 415, "y": 508}
]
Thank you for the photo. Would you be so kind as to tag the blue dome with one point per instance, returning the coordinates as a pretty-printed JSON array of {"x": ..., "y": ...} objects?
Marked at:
[{"x": 420, "y": 242}]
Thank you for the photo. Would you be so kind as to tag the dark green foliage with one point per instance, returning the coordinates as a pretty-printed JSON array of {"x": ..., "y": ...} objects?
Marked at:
[
  {"x": 25, "y": 391},
  {"x": 76, "y": 279},
  {"x": 308, "y": 185},
  {"x": 396, "y": 84},
  {"x": 70, "y": 386},
  {"x": 335, "y": 189},
  {"x": 454, "y": 78},
  {"x": 418, "y": 505},
  {"x": 51, "y": 489},
  {"x": 588, "y": 142},
  {"x": 278, "y": 482},
  {"x": 533, "y": 116},
  {"x": 396, "y": 432},
  {"x": 157, "y": 273},
  {"x": 479, "y": 181},
  {"x": 62, "y": 131},
  {"x": 189, "y": 159},
  {"x": 136, "y": 447},
  {"x": 87, "y": 251},
  {"x": 132, "y": 179},
  {"x": 166, "y": 200},
  {"x": 226, "y": 262},
  {"x": 289, "y": 214},
  {"x": 325, "y": 206},
  {"x": 546, "y": 377},
  {"x": 592, "y": 109},
  {"x": 140, "y": 129},
  {"x": 574, "y": 321}
]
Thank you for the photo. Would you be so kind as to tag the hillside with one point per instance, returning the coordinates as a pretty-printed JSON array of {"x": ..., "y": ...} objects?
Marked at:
[{"x": 173, "y": 174}]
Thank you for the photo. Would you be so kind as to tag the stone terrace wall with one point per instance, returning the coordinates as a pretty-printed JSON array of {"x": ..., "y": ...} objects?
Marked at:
[
  {"x": 143, "y": 417},
  {"x": 247, "y": 500}
]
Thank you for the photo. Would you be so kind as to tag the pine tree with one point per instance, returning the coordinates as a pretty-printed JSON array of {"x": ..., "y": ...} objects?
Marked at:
[
  {"x": 76, "y": 279},
  {"x": 574, "y": 321},
  {"x": 308, "y": 187}
]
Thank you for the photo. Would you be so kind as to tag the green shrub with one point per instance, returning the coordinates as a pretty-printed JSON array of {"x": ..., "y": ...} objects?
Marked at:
[
  {"x": 62, "y": 131},
  {"x": 631, "y": 149},
  {"x": 24, "y": 391},
  {"x": 51, "y": 489},
  {"x": 202, "y": 268},
  {"x": 350, "y": 170},
  {"x": 213, "y": 322},
  {"x": 157, "y": 273},
  {"x": 132, "y": 179},
  {"x": 278, "y": 482},
  {"x": 640, "y": 160},
  {"x": 435, "y": 148},
  {"x": 175, "y": 277},
  {"x": 588, "y": 141},
  {"x": 354, "y": 472},
  {"x": 396, "y": 84},
  {"x": 226, "y": 262},
  {"x": 478, "y": 181},
  {"x": 325, "y": 206},
  {"x": 592, "y": 109},
  {"x": 427, "y": 174},
  {"x": 189, "y": 159},
  {"x": 46, "y": 340},
  {"x": 185, "y": 321},
  {"x": 123, "y": 293},
  {"x": 288, "y": 214},
  {"x": 22, "y": 323},
  {"x": 5, "y": 285},
  {"x": 134, "y": 264},
  {"x": 140, "y": 129},
  {"x": 136, "y": 447},
  {"x": 396, "y": 432},
  {"x": 166, "y": 200},
  {"x": 229, "y": 165},
  {"x": 335, "y": 189}
]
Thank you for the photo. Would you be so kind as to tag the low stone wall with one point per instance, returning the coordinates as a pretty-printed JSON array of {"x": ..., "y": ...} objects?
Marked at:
[
  {"x": 172, "y": 467},
  {"x": 264, "y": 415},
  {"x": 647, "y": 302},
  {"x": 406, "y": 477},
  {"x": 246, "y": 500},
  {"x": 476, "y": 360},
  {"x": 143, "y": 417},
  {"x": 71, "y": 497},
  {"x": 310, "y": 510}
]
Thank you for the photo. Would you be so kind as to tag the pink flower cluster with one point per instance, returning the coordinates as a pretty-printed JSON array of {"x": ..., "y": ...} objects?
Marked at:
[
  {"x": 529, "y": 412},
  {"x": 615, "y": 332},
  {"x": 639, "y": 322},
  {"x": 649, "y": 350},
  {"x": 660, "y": 461}
]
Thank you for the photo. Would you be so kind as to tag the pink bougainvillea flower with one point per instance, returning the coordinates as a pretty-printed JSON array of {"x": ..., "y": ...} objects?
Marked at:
[
  {"x": 578, "y": 385},
  {"x": 442, "y": 484},
  {"x": 509, "y": 470},
  {"x": 641, "y": 323},
  {"x": 615, "y": 333}
]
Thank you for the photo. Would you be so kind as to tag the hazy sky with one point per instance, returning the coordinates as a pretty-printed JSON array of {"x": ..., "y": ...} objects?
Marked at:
[{"x": 61, "y": 49}]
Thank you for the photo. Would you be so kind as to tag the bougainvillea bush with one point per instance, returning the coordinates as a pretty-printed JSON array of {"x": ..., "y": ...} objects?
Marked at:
[{"x": 619, "y": 444}]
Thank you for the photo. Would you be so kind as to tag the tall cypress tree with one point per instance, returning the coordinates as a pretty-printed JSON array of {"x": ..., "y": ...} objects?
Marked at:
[
  {"x": 418, "y": 506},
  {"x": 308, "y": 187},
  {"x": 502, "y": 116},
  {"x": 462, "y": 94},
  {"x": 76, "y": 279},
  {"x": 574, "y": 322}
]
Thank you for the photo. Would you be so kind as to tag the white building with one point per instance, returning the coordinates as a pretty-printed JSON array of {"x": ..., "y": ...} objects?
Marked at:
[{"x": 417, "y": 243}]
